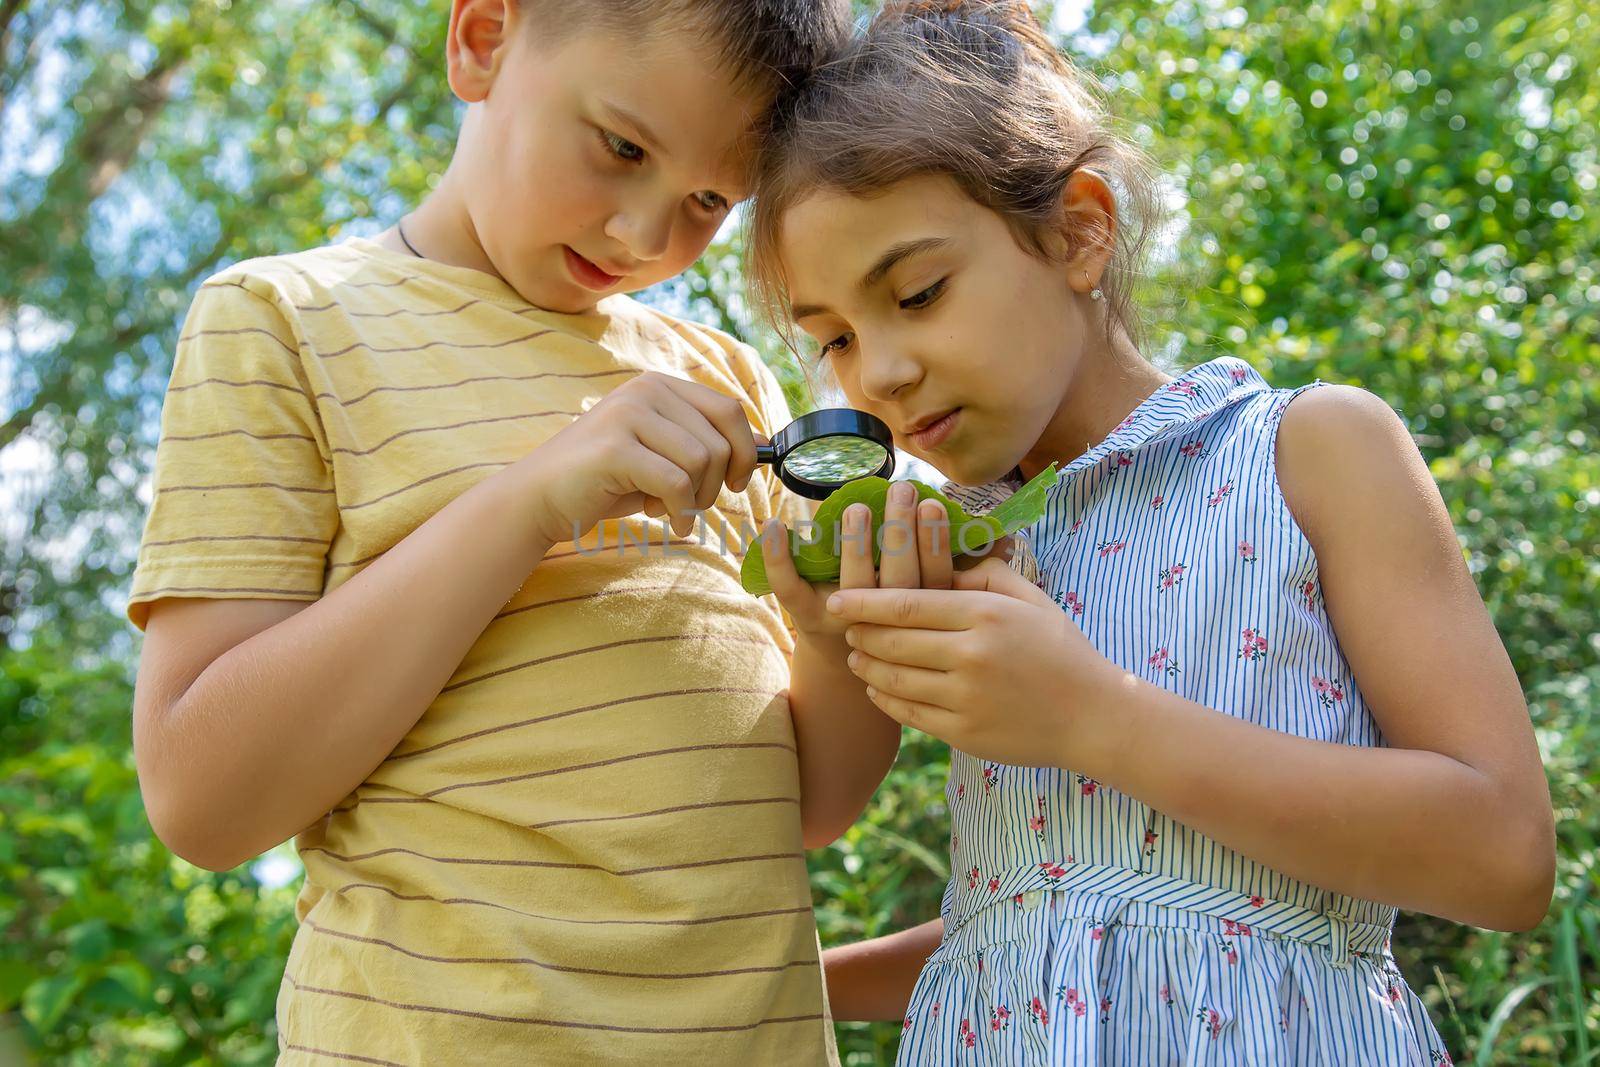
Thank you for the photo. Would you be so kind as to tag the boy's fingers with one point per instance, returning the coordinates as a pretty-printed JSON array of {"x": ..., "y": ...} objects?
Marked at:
[
  {"x": 676, "y": 446},
  {"x": 656, "y": 475},
  {"x": 715, "y": 454},
  {"x": 727, "y": 416},
  {"x": 855, "y": 549}
]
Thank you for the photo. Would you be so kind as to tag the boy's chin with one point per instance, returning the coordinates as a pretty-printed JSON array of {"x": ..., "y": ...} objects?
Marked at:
[{"x": 561, "y": 297}]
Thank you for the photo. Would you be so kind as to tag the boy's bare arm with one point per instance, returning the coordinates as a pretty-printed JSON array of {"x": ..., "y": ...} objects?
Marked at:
[
  {"x": 252, "y": 718},
  {"x": 871, "y": 981}
]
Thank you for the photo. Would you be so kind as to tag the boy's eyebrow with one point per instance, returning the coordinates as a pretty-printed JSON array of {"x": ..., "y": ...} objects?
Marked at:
[
  {"x": 651, "y": 141},
  {"x": 884, "y": 265}
]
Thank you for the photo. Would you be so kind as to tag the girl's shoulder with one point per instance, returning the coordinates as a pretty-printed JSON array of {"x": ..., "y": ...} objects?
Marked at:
[{"x": 1334, "y": 446}]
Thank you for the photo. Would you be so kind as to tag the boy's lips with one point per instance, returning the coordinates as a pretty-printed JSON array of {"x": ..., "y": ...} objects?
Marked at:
[{"x": 587, "y": 274}]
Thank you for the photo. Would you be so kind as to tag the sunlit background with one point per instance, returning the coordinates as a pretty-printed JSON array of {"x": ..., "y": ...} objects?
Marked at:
[{"x": 1394, "y": 193}]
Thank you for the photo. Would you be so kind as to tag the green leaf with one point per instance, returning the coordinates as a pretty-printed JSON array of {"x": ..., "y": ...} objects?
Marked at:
[
  {"x": 819, "y": 560},
  {"x": 1501, "y": 1013},
  {"x": 132, "y": 976},
  {"x": 45, "y": 1001},
  {"x": 15, "y": 976}
]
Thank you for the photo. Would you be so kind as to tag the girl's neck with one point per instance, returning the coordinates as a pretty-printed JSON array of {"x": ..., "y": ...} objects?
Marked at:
[{"x": 1108, "y": 384}]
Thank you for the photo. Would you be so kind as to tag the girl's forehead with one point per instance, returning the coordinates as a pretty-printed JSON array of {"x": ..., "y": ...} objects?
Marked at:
[{"x": 847, "y": 233}]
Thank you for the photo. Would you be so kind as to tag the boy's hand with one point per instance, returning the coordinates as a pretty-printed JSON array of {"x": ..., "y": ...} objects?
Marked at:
[
  {"x": 657, "y": 444},
  {"x": 915, "y": 554}
]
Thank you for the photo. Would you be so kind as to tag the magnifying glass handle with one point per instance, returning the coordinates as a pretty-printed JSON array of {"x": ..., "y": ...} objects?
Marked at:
[{"x": 766, "y": 454}]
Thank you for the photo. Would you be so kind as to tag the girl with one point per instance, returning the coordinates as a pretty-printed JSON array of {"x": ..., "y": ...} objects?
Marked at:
[{"x": 1253, "y": 705}]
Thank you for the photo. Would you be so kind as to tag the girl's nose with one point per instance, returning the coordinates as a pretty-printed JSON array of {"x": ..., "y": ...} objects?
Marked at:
[{"x": 886, "y": 371}]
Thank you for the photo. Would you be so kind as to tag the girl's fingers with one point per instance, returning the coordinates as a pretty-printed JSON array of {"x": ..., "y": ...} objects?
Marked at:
[
  {"x": 781, "y": 574},
  {"x": 933, "y": 545},
  {"x": 932, "y": 649},
  {"x": 922, "y": 609},
  {"x": 995, "y": 576},
  {"x": 1002, "y": 550},
  {"x": 855, "y": 549},
  {"x": 925, "y": 717},
  {"x": 897, "y": 560},
  {"x": 909, "y": 683}
]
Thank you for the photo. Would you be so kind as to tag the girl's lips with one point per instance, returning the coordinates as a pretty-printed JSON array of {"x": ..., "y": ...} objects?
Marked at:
[
  {"x": 587, "y": 274},
  {"x": 933, "y": 435}
]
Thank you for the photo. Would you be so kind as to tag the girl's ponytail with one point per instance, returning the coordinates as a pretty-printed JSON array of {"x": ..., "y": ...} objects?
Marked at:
[{"x": 1014, "y": 17}]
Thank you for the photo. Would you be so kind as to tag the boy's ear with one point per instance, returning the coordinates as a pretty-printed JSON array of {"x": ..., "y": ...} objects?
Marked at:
[
  {"x": 480, "y": 32},
  {"x": 1087, "y": 232}
]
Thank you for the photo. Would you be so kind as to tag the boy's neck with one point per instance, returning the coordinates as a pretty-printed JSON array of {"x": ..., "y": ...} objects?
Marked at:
[{"x": 441, "y": 230}]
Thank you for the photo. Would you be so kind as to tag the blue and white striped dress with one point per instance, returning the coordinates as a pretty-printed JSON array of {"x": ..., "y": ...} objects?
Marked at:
[{"x": 1083, "y": 927}]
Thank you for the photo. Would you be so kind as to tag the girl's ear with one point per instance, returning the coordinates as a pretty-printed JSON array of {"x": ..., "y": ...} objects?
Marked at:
[{"x": 1086, "y": 234}]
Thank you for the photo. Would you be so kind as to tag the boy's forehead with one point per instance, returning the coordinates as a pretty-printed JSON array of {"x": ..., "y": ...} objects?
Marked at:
[{"x": 670, "y": 90}]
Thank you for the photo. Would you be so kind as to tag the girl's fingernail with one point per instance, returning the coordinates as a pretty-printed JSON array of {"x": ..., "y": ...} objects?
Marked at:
[
  {"x": 872, "y": 694},
  {"x": 902, "y": 492},
  {"x": 835, "y": 603},
  {"x": 854, "y": 660}
]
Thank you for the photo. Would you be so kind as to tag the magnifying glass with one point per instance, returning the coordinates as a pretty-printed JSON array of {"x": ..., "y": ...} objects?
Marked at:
[{"x": 817, "y": 453}]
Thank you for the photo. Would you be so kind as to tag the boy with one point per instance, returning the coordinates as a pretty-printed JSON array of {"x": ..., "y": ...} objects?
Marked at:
[{"x": 547, "y": 797}]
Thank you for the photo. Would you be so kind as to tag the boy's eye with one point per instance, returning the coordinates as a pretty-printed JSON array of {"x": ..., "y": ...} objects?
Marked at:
[
  {"x": 924, "y": 298},
  {"x": 623, "y": 149},
  {"x": 711, "y": 202}
]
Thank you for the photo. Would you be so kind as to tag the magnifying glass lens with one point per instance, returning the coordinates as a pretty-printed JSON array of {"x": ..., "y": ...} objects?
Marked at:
[{"x": 835, "y": 459}]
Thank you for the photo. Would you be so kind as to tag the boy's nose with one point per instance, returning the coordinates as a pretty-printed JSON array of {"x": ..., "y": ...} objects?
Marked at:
[{"x": 645, "y": 234}]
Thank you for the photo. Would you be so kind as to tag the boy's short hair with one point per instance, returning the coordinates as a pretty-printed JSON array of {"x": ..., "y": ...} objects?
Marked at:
[{"x": 766, "y": 44}]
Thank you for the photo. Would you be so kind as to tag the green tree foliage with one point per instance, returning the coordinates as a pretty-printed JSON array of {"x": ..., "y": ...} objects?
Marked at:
[{"x": 1394, "y": 193}]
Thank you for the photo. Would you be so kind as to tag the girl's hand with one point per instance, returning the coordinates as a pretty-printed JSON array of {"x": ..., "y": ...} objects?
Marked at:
[
  {"x": 993, "y": 666},
  {"x": 915, "y": 555}
]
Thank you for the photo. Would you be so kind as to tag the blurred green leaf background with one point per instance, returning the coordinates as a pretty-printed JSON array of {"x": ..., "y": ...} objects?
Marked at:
[{"x": 1399, "y": 194}]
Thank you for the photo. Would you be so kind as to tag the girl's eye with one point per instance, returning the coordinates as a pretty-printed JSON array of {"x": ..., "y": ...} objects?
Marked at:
[
  {"x": 623, "y": 149},
  {"x": 835, "y": 346},
  {"x": 923, "y": 299},
  {"x": 714, "y": 203}
]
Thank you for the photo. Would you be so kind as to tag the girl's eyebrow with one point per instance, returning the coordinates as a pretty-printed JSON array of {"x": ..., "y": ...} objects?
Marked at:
[
  {"x": 884, "y": 265},
  {"x": 898, "y": 252}
]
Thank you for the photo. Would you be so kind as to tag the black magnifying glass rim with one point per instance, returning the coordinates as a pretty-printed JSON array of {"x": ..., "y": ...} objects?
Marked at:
[{"x": 827, "y": 422}]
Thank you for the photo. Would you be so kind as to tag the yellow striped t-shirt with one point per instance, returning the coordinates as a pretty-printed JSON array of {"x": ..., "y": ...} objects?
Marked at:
[{"x": 588, "y": 849}]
